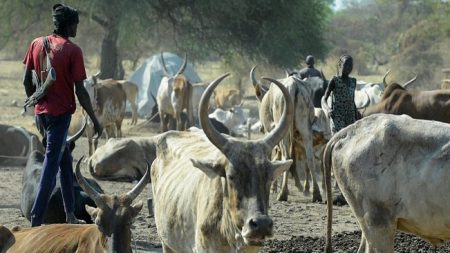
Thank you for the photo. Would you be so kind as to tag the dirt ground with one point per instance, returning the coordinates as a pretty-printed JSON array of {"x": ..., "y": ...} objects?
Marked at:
[{"x": 299, "y": 226}]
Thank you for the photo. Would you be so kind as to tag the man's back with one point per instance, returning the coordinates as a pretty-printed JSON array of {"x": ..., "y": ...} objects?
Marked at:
[{"x": 309, "y": 72}]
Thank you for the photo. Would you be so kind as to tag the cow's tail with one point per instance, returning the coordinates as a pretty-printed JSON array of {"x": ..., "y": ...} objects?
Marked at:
[{"x": 327, "y": 167}]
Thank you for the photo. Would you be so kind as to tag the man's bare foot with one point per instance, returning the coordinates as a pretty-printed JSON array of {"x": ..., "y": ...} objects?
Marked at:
[{"x": 71, "y": 219}]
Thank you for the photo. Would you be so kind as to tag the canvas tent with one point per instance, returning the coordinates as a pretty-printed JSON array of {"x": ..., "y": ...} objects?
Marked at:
[{"x": 149, "y": 74}]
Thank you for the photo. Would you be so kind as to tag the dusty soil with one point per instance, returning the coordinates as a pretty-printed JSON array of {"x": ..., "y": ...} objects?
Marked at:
[{"x": 299, "y": 224}]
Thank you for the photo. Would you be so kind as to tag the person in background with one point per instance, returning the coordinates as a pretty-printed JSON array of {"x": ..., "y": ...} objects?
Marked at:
[
  {"x": 342, "y": 87},
  {"x": 54, "y": 104},
  {"x": 309, "y": 71}
]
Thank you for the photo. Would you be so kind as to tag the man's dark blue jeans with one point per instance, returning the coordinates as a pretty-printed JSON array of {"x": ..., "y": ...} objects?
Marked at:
[{"x": 57, "y": 157}]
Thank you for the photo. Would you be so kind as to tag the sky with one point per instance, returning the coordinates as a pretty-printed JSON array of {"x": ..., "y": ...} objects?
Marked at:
[{"x": 338, "y": 5}]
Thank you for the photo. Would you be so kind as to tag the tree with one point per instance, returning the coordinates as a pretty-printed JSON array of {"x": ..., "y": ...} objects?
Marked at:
[{"x": 276, "y": 32}]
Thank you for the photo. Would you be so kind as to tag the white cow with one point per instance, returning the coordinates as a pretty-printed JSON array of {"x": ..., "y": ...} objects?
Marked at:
[
  {"x": 173, "y": 97},
  {"x": 211, "y": 191},
  {"x": 298, "y": 143},
  {"x": 395, "y": 177},
  {"x": 232, "y": 118}
]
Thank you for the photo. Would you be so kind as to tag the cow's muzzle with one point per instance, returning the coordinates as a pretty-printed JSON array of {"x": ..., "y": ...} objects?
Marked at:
[{"x": 256, "y": 229}]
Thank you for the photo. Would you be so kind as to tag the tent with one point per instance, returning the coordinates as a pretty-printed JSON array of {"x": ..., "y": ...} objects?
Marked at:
[{"x": 149, "y": 75}]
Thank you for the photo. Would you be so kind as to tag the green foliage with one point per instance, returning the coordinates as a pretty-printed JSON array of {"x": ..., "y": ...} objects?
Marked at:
[
  {"x": 404, "y": 34},
  {"x": 275, "y": 32}
]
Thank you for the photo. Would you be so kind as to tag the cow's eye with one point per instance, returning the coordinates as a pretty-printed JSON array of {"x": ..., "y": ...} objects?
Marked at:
[{"x": 230, "y": 177}]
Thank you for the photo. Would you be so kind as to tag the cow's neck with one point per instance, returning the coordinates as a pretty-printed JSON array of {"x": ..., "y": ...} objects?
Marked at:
[{"x": 120, "y": 240}]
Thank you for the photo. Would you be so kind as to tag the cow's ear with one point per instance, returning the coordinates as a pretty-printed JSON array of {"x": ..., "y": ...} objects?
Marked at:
[
  {"x": 212, "y": 168},
  {"x": 258, "y": 92},
  {"x": 92, "y": 211},
  {"x": 280, "y": 166}
]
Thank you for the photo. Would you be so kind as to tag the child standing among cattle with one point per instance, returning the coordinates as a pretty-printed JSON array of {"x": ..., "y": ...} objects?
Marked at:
[{"x": 343, "y": 110}]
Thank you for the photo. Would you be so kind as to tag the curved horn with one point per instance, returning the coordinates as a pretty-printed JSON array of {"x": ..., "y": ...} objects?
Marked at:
[
  {"x": 165, "y": 72},
  {"x": 141, "y": 185},
  {"x": 90, "y": 191},
  {"x": 183, "y": 66},
  {"x": 367, "y": 101},
  {"x": 323, "y": 75},
  {"x": 253, "y": 78},
  {"x": 282, "y": 128},
  {"x": 384, "y": 78},
  {"x": 75, "y": 137},
  {"x": 286, "y": 72},
  {"x": 409, "y": 82},
  {"x": 213, "y": 135}
]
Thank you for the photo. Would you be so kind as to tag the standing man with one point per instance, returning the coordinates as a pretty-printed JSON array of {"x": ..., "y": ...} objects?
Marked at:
[
  {"x": 54, "y": 104},
  {"x": 309, "y": 71}
]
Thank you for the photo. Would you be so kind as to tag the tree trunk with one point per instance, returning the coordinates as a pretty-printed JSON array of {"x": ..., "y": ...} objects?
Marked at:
[{"x": 108, "y": 61}]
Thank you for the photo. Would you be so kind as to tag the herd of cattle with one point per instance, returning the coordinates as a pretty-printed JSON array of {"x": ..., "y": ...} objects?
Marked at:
[{"x": 211, "y": 190}]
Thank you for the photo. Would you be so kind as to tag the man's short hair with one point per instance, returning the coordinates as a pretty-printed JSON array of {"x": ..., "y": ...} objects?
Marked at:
[
  {"x": 309, "y": 60},
  {"x": 64, "y": 16}
]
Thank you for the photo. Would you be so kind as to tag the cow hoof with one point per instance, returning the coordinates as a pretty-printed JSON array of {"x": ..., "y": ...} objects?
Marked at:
[
  {"x": 317, "y": 198},
  {"x": 340, "y": 200},
  {"x": 282, "y": 197}
]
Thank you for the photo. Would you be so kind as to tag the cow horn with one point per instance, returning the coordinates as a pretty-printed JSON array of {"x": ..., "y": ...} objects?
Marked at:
[
  {"x": 96, "y": 76},
  {"x": 75, "y": 137},
  {"x": 367, "y": 101},
  {"x": 165, "y": 72},
  {"x": 252, "y": 77},
  {"x": 323, "y": 75},
  {"x": 281, "y": 129},
  {"x": 90, "y": 191},
  {"x": 384, "y": 78},
  {"x": 409, "y": 82},
  {"x": 213, "y": 135},
  {"x": 141, "y": 185},
  {"x": 286, "y": 72},
  {"x": 183, "y": 66}
]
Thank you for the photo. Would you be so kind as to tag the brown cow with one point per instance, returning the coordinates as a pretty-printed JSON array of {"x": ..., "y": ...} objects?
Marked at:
[
  {"x": 131, "y": 90},
  {"x": 226, "y": 99},
  {"x": 113, "y": 218},
  {"x": 428, "y": 105},
  {"x": 108, "y": 100}
]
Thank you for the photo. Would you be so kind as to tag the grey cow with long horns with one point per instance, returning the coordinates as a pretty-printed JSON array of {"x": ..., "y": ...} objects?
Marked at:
[{"x": 210, "y": 190}]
